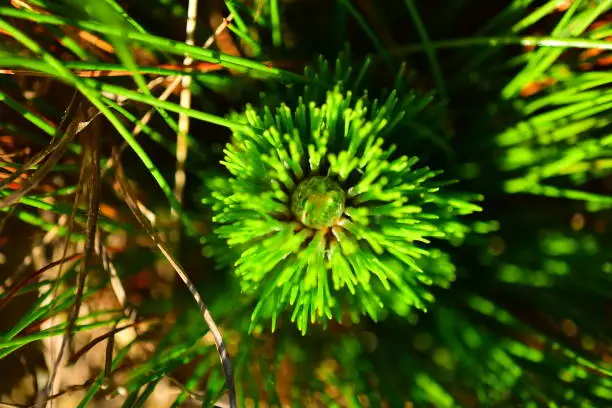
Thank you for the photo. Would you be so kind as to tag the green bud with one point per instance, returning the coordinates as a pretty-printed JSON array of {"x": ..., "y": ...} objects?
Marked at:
[{"x": 318, "y": 202}]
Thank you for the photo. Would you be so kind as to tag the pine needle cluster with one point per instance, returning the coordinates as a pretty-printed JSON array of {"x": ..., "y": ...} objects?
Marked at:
[{"x": 328, "y": 220}]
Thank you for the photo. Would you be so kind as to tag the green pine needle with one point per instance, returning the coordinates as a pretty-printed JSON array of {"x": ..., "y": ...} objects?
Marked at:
[{"x": 364, "y": 252}]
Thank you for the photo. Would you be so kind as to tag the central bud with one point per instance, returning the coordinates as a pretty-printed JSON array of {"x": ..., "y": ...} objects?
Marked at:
[{"x": 318, "y": 202}]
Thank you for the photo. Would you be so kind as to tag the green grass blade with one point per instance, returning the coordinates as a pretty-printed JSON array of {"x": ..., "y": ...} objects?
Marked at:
[
  {"x": 164, "y": 44},
  {"x": 427, "y": 47},
  {"x": 543, "y": 59},
  {"x": 277, "y": 36},
  {"x": 380, "y": 48},
  {"x": 96, "y": 99}
]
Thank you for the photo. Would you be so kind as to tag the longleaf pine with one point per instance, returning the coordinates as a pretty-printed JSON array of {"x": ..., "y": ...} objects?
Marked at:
[{"x": 306, "y": 203}]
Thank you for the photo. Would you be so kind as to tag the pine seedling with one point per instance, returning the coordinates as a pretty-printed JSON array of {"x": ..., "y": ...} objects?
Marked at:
[{"x": 328, "y": 222}]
